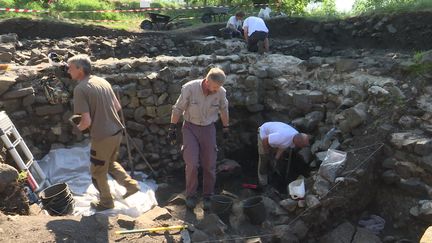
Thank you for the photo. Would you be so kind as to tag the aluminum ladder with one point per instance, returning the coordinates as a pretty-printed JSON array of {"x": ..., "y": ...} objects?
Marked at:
[{"x": 17, "y": 148}]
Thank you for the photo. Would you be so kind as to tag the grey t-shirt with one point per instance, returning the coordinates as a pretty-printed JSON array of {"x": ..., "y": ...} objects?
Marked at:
[{"x": 96, "y": 96}]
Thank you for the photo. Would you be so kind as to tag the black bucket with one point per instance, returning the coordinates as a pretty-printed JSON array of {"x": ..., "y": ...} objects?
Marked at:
[
  {"x": 254, "y": 208},
  {"x": 57, "y": 199},
  {"x": 221, "y": 205}
]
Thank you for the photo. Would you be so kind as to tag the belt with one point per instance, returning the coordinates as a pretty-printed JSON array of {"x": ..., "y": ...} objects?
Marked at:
[{"x": 199, "y": 125}]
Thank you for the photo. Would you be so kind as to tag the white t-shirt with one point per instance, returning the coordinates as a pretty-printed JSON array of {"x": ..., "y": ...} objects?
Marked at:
[
  {"x": 264, "y": 13},
  {"x": 254, "y": 24},
  {"x": 280, "y": 135},
  {"x": 233, "y": 20}
]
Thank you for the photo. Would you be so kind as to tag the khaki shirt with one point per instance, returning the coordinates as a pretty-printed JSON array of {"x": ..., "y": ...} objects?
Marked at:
[
  {"x": 198, "y": 108},
  {"x": 96, "y": 96}
]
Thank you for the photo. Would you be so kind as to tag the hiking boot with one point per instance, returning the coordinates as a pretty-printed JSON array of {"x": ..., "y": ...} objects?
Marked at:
[
  {"x": 191, "y": 202},
  {"x": 99, "y": 207},
  {"x": 261, "y": 48},
  {"x": 206, "y": 203},
  {"x": 130, "y": 191}
]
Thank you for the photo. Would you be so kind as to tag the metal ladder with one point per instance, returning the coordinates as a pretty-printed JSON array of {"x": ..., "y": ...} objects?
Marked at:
[{"x": 35, "y": 176}]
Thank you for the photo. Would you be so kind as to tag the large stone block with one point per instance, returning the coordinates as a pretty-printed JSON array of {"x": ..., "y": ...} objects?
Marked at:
[
  {"x": 8, "y": 174},
  {"x": 14, "y": 94},
  {"x": 6, "y": 82},
  {"x": 49, "y": 110}
]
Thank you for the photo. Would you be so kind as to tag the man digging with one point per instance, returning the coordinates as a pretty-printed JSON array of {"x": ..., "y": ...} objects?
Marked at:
[
  {"x": 95, "y": 101},
  {"x": 276, "y": 136}
]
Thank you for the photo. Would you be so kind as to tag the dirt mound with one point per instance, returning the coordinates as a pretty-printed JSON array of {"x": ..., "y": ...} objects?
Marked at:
[
  {"x": 28, "y": 28},
  {"x": 405, "y": 31}
]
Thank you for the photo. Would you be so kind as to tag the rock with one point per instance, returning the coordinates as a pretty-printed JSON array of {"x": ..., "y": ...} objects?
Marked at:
[
  {"x": 316, "y": 29},
  {"x": 391, "y": 29},
  {"x": 313, "y": 119},
  {"x": 8, "y": 174},
  {"x": 346, "y": 65},
  {"x": 270, "y": 205},
  {"x": 29, "y": 100},
  {"x": 6, "y": 57},
  {"x": 414, "y": 186},
  {"x": 299, "y": 228},
  {"x": 407, "y": 121},
  {"x": 423, "y": 210},
  {"x": 288, "y": 64},
  {"x": 166, "y": 74},
  {"x": 199, "y": 236},
  {"x": 157, "y": 213},
  {"x": 365, "y": 235},
  {"x": 289, "y": 204},
  {"x": 312, "y": 201},
  {"x": 283, "y": 233},
  {"x": 352, "y": 117},
  {"x": 342, "y": 234},
  {"x": 9, "y": 38},
  {"x": 408, "y": 169},
  {"x": 413, "y": 140},
  {"x": 251, "y": 83},
  {"x": 14, "y": 94},
  {"x": 164, "y": 111},
  {"x": 7, "y": 47},
  {"x": 49, "y": 110},
  {"x": 390, "y": 177},
  {"x": 321, "y": 186},
  {"x": 273, "y": 72},
  {"x": 144, "y": 93},
  {"x": 378, "y": 91},
  {"x": 212, "y": 225},
  {"x": 125, "y": 221},
  {"x": 6, "y": 82},
  {"x": 135, "y": 126}
]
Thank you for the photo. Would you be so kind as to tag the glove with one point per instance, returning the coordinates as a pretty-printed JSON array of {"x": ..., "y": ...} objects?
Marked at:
[
  {"x": 225, "y": 132},
  {"x": 172, "y": 134}
]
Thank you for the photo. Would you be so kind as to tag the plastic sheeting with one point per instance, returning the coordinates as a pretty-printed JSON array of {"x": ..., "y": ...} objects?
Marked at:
[{"x": 71, "y": 166}]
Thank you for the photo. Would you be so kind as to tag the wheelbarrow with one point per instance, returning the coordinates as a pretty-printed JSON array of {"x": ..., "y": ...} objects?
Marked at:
[
  {"x": 211, "y": 13},
  {"x": 158, "y": 22}
]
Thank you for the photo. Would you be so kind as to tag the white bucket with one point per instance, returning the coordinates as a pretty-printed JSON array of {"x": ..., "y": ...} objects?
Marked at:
[{"x": 297, "y": 189}]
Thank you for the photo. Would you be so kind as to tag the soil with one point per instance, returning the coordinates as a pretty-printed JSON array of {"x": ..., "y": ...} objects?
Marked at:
[{"x": 413, "y": 31}]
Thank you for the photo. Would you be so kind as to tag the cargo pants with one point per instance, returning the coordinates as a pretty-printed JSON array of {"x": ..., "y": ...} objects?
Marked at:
[{"x": 103, "y": 155}]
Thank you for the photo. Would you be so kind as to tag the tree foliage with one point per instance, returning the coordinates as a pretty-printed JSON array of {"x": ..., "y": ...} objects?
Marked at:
[{"x": 362, "y": 6}]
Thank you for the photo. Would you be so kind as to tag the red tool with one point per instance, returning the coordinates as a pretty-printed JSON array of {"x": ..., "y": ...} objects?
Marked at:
[{"x": 249, "y": 186}]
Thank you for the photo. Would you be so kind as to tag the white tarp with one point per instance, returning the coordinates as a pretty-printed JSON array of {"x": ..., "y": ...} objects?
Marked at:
[{"x": 71, "y": 166}]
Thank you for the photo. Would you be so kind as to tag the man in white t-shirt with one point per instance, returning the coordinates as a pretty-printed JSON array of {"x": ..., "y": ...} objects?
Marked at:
[
  {"x": 276, "y": 136},
  {"x": 234, "y": 24},
  {"x": 264, "y": 12},
  {"x": 256, "y": 34}
]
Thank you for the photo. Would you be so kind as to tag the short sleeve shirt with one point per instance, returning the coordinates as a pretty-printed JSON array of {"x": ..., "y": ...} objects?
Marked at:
[
  {"x": 95, "y": 96},
  {"x": 280, "y": 135},
  {"x": 255, "y": 24},
  {"x": 233, "y": 21},
  {"x": 198, "y": 108}
]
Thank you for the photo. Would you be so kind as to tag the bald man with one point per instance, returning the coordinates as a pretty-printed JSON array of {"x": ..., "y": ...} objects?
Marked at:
[{"x": 276, "y": 136}]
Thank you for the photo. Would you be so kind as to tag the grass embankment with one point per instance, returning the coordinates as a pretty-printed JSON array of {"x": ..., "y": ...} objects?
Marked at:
[{"x": 58, "y": 10}]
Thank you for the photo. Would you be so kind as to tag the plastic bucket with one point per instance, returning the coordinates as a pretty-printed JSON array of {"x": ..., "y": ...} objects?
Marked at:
[
  {"x": 221, "y": 205},
  {"x": 57, "y": 199},
  {"x": 255, "y": 210},
  {"x": 297, "y": 189}
]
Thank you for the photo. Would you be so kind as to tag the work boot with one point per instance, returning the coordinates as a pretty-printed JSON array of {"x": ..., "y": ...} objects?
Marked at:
[
  {"x": 191, "y": 202},
  {"x": 99, "y": 207},
  {"x": 261, "y": 48},
  {"x": 130, "y": 191},
  {"x": 206, "y": 203}
]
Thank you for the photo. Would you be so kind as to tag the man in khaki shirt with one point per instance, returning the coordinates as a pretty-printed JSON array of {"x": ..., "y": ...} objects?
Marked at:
[
  {"x": 97, "y": 104},
  {"x": 200, "y": 102}
]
